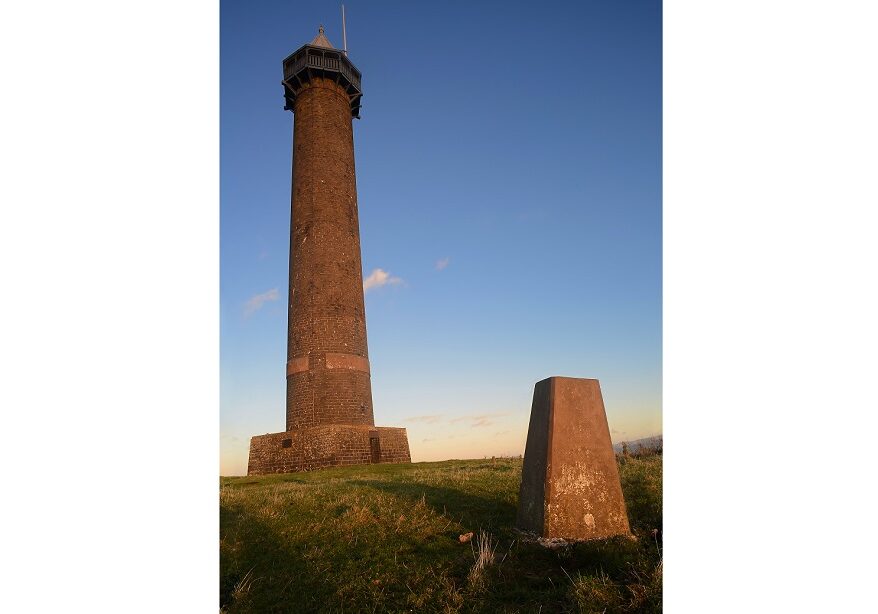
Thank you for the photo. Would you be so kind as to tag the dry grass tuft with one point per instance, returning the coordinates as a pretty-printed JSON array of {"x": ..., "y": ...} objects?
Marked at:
[
  {"x": 229, "y": 495},
  {"x": 483, "y": 552},
  {"x": 243, "y": 586}
]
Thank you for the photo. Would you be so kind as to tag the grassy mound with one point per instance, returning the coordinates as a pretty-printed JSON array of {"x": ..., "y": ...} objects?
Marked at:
[{"x": 386, "y": 538}]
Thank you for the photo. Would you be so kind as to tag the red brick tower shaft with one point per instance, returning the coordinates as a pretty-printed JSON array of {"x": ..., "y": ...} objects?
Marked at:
[
  {"x": 328, "y": 378},
  {"x": 329, "y": 393}
]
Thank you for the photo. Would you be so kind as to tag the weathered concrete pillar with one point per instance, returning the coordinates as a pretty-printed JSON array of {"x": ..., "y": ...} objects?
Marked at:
[{"x": 570, "y": 484}]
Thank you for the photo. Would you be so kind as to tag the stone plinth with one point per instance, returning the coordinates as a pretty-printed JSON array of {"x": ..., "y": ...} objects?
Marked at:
[
  {"x": 570, "y": 484},
  {"x": 329, "y": 445}
]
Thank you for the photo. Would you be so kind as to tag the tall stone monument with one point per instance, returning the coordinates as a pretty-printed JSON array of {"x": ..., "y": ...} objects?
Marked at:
[
  {"x": 570, "y": 485},
  {"x": 329, "y": 416}
]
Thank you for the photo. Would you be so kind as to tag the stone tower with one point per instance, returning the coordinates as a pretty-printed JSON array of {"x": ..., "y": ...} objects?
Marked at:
[{"x": 329, "y": 417}]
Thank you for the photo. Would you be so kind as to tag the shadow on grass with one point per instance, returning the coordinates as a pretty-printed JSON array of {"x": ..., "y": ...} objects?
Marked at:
[
  {"x": 530, "y": 575},
  {"x": 302, "y": 563},
  {"x": 471, "y": 511},
  {"x": 279, "y": 576}
]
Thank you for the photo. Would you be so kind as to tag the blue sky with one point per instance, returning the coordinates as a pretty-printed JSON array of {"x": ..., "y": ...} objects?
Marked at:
[{"x": 509, "y": 186}]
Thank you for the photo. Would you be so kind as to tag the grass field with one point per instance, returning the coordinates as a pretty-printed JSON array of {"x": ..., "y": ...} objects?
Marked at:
[{"x": 385, "y": 538}]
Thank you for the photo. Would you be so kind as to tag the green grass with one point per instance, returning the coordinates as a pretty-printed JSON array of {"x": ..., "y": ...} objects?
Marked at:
[{"x": 385, "y": 538}]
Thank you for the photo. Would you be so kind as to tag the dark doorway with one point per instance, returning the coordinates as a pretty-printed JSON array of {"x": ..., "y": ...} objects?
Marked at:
[{"x": 375, "y": 446}]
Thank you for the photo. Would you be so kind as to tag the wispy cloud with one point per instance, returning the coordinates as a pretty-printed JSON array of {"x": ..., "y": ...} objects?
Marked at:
[
  {"x": 441, "y": 264},
  {"x": 426, "y": 419},
  {"x": 479, "y": 420},
  {"x": 378, "y": 278},
  {"x": 255, "y": 303}
]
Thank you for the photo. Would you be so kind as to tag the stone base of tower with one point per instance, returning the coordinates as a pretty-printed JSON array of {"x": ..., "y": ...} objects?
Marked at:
[{"x": 328, "y": 445}]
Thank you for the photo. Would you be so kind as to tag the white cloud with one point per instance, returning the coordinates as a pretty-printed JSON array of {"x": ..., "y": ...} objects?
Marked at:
[
  {"x": 441, "y": 264},
  {"x": 378, "y": 278},
  {"x": 255, "y": 303}
]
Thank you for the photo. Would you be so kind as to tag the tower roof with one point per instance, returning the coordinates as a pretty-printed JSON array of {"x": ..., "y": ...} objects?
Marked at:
[
  {"x": 320, "y": 59},
  {"x": 321, "y": 41}
]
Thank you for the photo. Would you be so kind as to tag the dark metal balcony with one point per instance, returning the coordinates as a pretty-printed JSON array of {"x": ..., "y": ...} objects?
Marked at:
[{"x": 310, "y": 61}]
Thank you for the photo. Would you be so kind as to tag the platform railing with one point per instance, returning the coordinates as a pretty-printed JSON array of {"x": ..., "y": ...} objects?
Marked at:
[{"x": 313, "y": 58}]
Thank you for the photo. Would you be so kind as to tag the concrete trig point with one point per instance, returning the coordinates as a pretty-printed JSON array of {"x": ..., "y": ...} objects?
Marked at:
[
  {"x": 570, "y": 485},
  {"x": 329, "y": 392}
]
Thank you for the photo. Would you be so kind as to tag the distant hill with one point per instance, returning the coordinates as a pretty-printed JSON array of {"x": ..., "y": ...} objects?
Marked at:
[{"x": 647, "y": 442}]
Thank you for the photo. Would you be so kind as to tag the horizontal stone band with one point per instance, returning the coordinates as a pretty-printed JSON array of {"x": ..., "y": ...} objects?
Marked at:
[
  {"x": 330, "y": 360},
  {"x": 347, "y": 361},
  {"x": 297, "y": 365}
]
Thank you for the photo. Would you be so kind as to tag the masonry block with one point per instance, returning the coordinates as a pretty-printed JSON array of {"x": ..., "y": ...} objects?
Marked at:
[
  {"x": 570, "y": 484},
  {"x": 329, "y": 445}
]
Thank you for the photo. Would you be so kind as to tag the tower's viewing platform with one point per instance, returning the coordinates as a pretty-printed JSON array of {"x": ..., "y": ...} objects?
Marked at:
[{"x": 320, "y": 59}]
